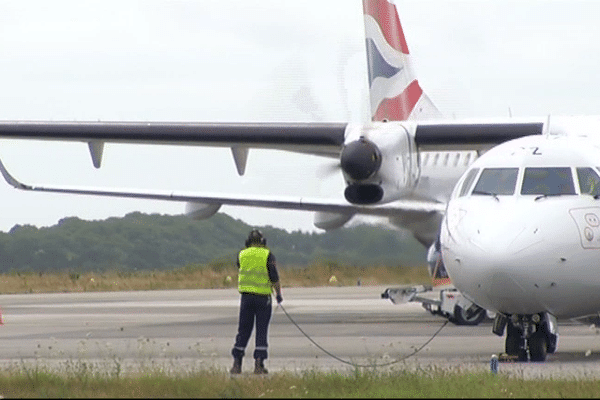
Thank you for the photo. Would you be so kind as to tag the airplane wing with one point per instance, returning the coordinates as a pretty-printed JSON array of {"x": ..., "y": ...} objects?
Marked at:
[
  {"x": 319, "y": 138},
  {"x": 323, "y": 139},
  {"x": 279, "y": 202},
  {"x": 285, "y": 136},
  {"x": 479, "y": 135}
]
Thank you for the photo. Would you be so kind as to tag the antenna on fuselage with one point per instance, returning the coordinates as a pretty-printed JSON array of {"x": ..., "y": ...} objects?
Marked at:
[{"x": 546, "y": 128}]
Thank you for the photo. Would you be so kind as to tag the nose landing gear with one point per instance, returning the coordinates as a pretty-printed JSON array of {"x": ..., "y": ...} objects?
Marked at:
[{"x": 528, "y": 337}]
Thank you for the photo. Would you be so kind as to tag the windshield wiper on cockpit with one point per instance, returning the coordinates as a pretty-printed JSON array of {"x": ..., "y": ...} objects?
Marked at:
[
  {"x": 595, "y": 196},
  {"x": 486, "y": 193},
  {"x": 543, "y": 196}
]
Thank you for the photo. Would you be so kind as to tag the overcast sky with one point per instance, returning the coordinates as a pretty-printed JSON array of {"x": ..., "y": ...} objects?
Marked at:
[{"x": 259, "y": 60}]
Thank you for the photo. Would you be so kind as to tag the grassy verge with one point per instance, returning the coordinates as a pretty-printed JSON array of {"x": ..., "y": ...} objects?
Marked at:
[
  {"x": 206, "y": 277},
  {"x": 311, "y": 384}
]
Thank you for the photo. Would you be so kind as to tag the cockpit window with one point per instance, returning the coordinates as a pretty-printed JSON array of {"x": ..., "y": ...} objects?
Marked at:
[
  {"x": 464, "y": 189},
  {"x": 548, "y": 181},
  {"x": 589, "y": 182},
  {"x": 497, "y": 181}
]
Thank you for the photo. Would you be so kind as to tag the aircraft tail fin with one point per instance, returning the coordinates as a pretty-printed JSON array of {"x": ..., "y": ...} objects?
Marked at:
[{"x": 394, "y": 90}]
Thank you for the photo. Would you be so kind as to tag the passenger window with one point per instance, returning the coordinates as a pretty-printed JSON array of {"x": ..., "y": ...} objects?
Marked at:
[
  {"x": 464, "y": 189},
  {"x": 589, "y": 182},
  {"x": 496, "y": 181},
  {"x": 548, "y": 181}
]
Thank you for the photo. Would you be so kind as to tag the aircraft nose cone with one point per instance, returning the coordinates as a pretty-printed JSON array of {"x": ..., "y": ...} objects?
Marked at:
[
  {"x": 490, "y": 247},
  {"x": 496, "y": 276},
  {"x": 518, "y": 257}
]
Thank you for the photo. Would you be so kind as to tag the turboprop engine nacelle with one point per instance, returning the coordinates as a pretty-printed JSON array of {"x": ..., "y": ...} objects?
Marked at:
[{"x": 379, "y": 162}]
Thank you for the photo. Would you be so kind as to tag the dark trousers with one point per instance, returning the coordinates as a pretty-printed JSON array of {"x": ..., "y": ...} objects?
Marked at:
[{"x": 253, "y": 308}]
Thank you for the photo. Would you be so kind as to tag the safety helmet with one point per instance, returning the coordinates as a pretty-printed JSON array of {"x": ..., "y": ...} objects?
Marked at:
[{"x": 255, "y": 237}]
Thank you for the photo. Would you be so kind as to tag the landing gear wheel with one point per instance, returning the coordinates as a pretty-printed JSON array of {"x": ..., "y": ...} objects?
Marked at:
[
  {"x": 514, "y": 344},
  {"x": 464, "y": 317},
  {"x": 538, "y": 346}
]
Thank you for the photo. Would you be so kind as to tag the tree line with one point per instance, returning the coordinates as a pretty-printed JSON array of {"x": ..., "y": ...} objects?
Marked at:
[{"x": 141, "y": 241}]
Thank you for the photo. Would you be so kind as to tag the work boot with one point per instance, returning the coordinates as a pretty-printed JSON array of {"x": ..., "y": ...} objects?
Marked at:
[
  {"x": 259, "y": 366},
  {"x": 237, "y": 366}
]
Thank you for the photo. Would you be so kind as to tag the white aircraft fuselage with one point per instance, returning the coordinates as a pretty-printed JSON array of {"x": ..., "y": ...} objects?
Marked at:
[{"x": 525, "y": 237}]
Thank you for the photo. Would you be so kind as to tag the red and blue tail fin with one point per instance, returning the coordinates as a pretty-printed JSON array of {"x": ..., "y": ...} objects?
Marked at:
[{"x": 394, "y": 89}]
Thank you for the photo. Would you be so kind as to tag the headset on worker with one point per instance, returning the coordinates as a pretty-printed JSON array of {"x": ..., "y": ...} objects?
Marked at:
[{"x": 256, "y": 237}]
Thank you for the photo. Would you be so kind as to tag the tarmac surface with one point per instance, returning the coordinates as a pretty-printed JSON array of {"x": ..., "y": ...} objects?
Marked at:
[{"x": 186, "y": 330}]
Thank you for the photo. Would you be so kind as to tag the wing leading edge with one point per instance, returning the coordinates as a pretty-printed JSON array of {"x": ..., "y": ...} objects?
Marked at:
[
  {"x": 314, "y": 138},
  {"x": 257, "y": 135}
]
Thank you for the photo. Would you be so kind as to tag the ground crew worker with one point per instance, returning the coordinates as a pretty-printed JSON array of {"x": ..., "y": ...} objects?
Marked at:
[{"x": 256, "y": 280}]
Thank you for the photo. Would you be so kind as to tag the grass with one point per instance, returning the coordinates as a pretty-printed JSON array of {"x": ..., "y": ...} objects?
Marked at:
[
  {"x": 205, "y": 277},
  {"x": 312, "y": 384}
]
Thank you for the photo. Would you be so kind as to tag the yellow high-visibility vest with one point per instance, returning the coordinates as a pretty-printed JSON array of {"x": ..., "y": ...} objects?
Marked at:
[{"x": 253, "y": 276}]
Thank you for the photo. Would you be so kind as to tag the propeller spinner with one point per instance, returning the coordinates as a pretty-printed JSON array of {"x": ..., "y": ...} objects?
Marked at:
[{"x": 360, "y": 159}]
